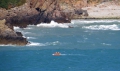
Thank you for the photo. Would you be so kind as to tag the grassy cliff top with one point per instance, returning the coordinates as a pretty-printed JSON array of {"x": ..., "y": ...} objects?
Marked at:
[{"x": 7, "y": 4}]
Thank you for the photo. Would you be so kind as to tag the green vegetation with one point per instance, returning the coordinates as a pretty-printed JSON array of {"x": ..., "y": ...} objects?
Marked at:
[{"x": 7, "y": 4}]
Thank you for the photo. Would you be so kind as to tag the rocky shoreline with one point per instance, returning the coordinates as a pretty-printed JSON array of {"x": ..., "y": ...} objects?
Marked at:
[{"x": 36, "y": 11}]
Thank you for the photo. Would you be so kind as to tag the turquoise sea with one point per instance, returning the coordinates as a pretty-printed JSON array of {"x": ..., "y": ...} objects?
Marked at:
[{"x": 90, "y": 45}]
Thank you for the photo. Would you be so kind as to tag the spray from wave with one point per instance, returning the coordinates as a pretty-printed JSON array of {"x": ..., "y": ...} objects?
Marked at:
[{"x": 53, "y": 24}]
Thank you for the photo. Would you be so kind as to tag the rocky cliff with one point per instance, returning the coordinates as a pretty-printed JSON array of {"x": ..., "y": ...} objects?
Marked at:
[
  {"x": 37, "y": 11},
  {"x": 71, "y": 9}
]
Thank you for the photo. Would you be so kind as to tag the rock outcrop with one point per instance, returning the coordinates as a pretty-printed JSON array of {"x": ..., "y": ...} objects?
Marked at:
[
  {"x": 19, "y": 16},
  {"x": 37, "y": 11},
  {"x": 8, "y": 36},
  {"x": 49, "y": 10}
]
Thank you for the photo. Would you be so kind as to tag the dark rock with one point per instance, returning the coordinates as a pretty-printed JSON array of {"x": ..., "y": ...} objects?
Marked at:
[
  {"x": 81, "y": 12},
  {"x": 9, "y": 36},
  {"x": 19, "y": 34},
  {"x": 6, "y": 40}
]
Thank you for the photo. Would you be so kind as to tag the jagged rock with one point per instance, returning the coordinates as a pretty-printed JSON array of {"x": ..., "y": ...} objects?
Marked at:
[
  {"x": 5, "y": 31},
  {"x": 37, "y": 11},
  {"x": 20, "y": 16},
  {"x": 8, "y": 36},
  {"x": 13, "y": 40},
  {"x": 49, "y": 10}
]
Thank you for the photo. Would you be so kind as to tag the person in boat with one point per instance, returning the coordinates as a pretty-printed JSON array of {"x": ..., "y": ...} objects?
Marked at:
[{"x": 57, "y": 53}]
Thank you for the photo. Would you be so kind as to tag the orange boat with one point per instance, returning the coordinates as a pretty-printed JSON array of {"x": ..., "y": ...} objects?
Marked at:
[{"x": 57, "y": 54}]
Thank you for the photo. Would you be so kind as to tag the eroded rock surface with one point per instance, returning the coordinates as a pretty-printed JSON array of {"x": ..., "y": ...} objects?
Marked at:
[{"x": 8, "y": 36}]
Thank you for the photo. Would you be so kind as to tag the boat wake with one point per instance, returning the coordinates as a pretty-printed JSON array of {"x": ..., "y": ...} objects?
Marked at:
[{"x": 70, "y": 55}]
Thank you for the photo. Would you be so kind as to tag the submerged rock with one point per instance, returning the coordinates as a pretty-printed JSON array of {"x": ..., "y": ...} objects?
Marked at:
[{"x": 9, "y": 36}]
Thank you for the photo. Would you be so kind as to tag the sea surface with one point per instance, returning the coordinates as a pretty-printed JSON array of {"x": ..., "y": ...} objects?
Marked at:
[{"x": 85, "y": 45}]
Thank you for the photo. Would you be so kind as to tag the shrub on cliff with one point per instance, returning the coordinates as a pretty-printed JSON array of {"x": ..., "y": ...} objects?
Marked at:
[{"x": 7, "y": 4}]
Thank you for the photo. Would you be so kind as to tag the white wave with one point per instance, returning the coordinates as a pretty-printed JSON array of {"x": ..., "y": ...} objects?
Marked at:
[
  {"x": 71, "y": 54},
  {"x": 106, "y": 44},
  {"x": 35, "y": 44},
  {"x": 16, "y": 28},
  {"x": 53, "y": 24},
  {"x": 24, "y": 33},
  {"x": 31, "y": 38},
  {"x": 43, "y": 44},
  {"x": 7, "y": 45},
  {"x": 93, "y": 21},
  {"x": 28, "y": 28},
  {"x": 52, "y": 43},
  {"x": 102, "y": 27}
]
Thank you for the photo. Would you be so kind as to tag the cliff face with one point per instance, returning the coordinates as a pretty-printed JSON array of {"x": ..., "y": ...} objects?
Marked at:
[
  {"x": 19, "y": 16},
  {"x": 49, "y": 10},
  {"x": 66, "y": 9},
  {"x": 59, "y": 10}
]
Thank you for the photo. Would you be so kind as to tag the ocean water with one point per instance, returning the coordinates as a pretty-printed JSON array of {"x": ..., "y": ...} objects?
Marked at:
[{"x": 90, "y": 45}]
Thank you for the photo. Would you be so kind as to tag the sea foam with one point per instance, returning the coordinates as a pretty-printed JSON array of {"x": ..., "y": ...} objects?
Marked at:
[
  {"x": 53, "y": 24},
  {"x": 102, "y": 27},
  {"x": 31, "y": 38},
  {"x": 35, "y": 44},
  {"x": 92, "y": 21},
  {"x": 43, "y": 44}
]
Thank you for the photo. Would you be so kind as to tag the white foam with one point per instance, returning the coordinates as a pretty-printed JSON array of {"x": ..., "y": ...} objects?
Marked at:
[
  {"x": 16, "y": 28},
  {"x": 35, "y": 44},
  {"x": 43, "y": 44},
  {"x": 53, "y": 24},
  {"x": 93, "y": 21},
  {"x": 71, "y": 54},
  {"x": 26, "y": 32},
  {"x": 52, "y": 43},
  {"x": 102, "y": 27},
  {"x": 7, "y": 45},
  {"x": 28, "y": 28},
  {"x": 106, "y": 44},
  {"x": 31, "y": 38}
]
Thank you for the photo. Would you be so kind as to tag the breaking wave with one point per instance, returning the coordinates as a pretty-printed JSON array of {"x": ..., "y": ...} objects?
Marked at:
[
  {"x": 35, "y": 44},
  {"x": 102, "y": 27},
  {"x": 53, "y": 24},
  {"x": 43, "y": 44},
  {"x": 31, "y": 38}
]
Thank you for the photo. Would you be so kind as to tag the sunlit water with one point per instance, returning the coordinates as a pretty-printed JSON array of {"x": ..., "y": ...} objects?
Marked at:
[{"x": 90, "y": 45}]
